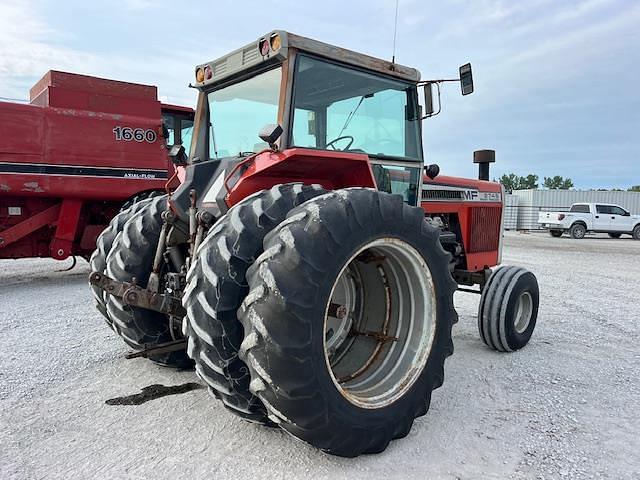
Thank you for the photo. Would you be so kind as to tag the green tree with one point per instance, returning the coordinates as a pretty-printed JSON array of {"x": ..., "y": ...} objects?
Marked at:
[
  {"x": 557, "y": 183},
  {"x": 513, "y": 182},
  {"x": 634, "y": 188}
]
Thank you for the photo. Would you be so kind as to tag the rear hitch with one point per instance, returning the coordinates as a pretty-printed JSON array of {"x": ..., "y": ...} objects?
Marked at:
[{"x": 135, "y": 296}]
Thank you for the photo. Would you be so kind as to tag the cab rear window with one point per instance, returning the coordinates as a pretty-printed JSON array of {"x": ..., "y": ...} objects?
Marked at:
[{"x": 580, "y": 208}]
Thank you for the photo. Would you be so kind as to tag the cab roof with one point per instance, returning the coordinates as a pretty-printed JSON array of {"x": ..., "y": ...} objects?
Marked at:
[{"x": 274, "y": 48}]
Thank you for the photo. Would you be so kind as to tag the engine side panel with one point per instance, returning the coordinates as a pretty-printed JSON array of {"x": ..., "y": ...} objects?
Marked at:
[{"x": 475, "y": 209}]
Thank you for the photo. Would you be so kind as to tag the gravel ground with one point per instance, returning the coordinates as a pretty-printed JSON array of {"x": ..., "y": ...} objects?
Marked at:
[{"x": 566, "y": 406}]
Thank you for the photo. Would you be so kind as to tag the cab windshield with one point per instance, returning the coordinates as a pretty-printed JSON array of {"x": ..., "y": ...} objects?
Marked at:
[
  {"x": 238, "y": 112},
  {"x": 342, "y": 108}
]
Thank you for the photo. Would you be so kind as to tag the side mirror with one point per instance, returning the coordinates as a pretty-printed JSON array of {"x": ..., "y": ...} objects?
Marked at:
[
  {"x": 428, "y": 100},
  {"x": 271, "y": 133},
  {"x": 466, "y": 79},
  {"x": 178, "y": 155}
]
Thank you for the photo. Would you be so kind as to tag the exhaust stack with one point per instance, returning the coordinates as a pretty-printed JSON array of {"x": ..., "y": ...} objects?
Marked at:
[{"x": 483, "y": 158}]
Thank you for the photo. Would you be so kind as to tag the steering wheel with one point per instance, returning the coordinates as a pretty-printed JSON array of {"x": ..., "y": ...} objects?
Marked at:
[{"x": 332, "y": 142}]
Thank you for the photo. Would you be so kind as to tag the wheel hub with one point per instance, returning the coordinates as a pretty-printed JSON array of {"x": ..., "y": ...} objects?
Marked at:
[{"x": 377, "y": 350}]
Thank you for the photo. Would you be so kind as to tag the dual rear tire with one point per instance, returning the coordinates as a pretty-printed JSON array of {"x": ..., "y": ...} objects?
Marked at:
[
  {"x": 125, "y": 250},
  {"x": 346, "y": 324}
]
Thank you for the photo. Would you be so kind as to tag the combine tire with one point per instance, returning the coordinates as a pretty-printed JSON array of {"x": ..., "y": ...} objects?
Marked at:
[
  {"x": 132, "y": 256},
  {"x": 508, "y": 309},
  {"x": 556, "y": 233},
  {"x": 216, "y": 286},
  {"x": 348, "y": 320},
  {"x": 577, "y": 231},
  {"x": 98, "y": 260},
  {"x": 614, "y": 235}
]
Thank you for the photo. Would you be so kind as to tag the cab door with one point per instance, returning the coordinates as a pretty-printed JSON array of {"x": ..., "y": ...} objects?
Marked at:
[
  {"x": 620, "y": 220},
  {"x": 602, "y": 218}
]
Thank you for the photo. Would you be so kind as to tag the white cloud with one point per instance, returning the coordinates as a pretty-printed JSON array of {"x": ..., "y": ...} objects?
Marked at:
[{"x": 30, "y": 47}]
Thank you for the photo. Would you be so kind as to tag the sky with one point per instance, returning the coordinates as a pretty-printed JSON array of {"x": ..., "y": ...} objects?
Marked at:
[{"x": 557, "y": 83}]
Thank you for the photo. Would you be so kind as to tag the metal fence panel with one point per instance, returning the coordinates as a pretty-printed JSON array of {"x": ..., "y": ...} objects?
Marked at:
[{"x": 530, "y": 203}]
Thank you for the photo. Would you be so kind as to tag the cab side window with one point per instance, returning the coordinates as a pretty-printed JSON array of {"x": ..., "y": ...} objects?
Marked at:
[
  {"x": 186, "y": 132},
  {"x": 178, "y": 128},
  {"x": 580, "y": 209},
  {"x": 604, "y": 209},
  {"x": 169, "y": 127},
  {"x": 617, "y": 211}
]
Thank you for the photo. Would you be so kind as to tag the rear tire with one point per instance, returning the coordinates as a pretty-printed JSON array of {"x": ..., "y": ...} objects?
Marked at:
[
  {"x": 132, "y": 256},
  {"x": 508, "y": 309},
  {"x": 217, "y": 285},
  {"x": 578, "y": 231},
  {"x": 104, "y": 242},
  {"x": 636, "y": 232},
  {"x": 614, "y": 235},
  {"x": 556, "y": 233},
  {"x": 353, "y": 237}
]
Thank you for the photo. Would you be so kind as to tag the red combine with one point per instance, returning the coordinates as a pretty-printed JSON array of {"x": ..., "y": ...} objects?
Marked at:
[
  {"x": 310, "y": 276},
  {"x": 71, "y": 158}
]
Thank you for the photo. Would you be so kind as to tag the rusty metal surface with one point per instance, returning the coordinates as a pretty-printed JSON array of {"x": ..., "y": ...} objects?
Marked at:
[
  {"x": 136, "y": 296},
  {"x": 151, "y": 350}
]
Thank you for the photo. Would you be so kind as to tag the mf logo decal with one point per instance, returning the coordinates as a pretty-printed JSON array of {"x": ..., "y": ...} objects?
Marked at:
[{"x": 443, "y": 193}]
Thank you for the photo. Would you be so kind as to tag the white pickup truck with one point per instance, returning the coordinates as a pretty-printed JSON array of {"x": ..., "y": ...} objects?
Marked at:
[{"x": 591, "y": 217}]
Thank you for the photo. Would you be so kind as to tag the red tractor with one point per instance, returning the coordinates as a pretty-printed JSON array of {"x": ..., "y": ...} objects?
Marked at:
[
  {"x": 310, "y": 276},
  {"x": 70, "y": 159}
]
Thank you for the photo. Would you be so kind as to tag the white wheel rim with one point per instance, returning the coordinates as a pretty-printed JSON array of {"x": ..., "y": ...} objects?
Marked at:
[
  {"x": 387, "y": 288},
  {"x": 524, "y": 311}
]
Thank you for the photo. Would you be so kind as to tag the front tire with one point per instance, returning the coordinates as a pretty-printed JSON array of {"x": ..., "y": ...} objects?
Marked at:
[
  {"x": 217, "y": 285},
  {"x": 577, "y": 231},
  {"x": 131, "y": 257},
  {"x": 636, "y": 232},
  {"x": 348, "y": 320},
  {"x": 508, "y": 309}
]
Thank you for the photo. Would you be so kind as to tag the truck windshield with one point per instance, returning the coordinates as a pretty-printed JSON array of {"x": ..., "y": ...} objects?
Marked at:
[
  {"x": 238, "y": 112},
  {"x": 342, "y": 108}
]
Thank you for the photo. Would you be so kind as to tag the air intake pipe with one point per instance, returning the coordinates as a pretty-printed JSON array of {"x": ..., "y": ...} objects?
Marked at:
[{"x": 483, "y": 158}]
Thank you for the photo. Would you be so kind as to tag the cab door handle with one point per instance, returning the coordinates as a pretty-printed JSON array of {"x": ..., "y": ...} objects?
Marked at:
[
  {"x": 613, "y": 218},
  {"x": 597, "y": 216}
]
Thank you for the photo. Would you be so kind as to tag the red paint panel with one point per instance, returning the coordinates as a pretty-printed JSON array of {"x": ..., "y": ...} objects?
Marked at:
[
  {"x": 89, "y": 188},
  {"x": 332, "y": 170},
  {"x": 459, "y": 182},
  {"x": 21, "y": 128},
  {"x": 85, "y": 83}
]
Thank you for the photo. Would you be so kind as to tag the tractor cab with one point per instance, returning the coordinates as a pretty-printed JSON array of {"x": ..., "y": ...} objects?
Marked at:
[{"x": 319, "y": 103}]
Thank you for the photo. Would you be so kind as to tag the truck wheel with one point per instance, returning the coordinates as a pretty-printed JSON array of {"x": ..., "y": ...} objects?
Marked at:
[
  {"x": 636, "y": 232},
  {"x": 614, "y": 235},
  {"x": 217, "y": 285},
  {"x": 556, "y": 233},
  {"x": 348, "y": 320},
  {"x": 104, "y": 242},
  {"x": 577, "y": 231},
  {"x": 132, "y": 256},
  {"x": 508, "y": 309}
]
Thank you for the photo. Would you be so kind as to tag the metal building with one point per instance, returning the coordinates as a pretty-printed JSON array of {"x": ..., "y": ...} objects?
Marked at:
[{"x": 522, "y": 206}]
